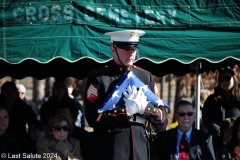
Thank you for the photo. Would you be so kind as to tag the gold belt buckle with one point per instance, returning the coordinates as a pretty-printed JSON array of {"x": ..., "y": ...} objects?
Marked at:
[{"x": 131, "y": 118}]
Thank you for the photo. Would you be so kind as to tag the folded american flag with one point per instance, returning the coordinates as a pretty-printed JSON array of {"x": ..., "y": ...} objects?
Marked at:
[{"x": 115, "y": 98}]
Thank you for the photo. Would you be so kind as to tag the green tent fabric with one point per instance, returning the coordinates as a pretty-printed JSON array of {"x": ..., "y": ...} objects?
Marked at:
[{"x": 66, "y": 38}]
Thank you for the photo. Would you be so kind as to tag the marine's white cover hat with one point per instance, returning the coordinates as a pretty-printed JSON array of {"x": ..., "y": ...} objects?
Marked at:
[{"x": 125, "y": 35}]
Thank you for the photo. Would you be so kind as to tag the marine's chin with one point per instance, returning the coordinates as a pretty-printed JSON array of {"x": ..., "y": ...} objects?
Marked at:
[{"x": 129, "y": 63}]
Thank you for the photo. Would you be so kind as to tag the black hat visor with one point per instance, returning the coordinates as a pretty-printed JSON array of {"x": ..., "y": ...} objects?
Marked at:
[{"x": 127, "y": 45}]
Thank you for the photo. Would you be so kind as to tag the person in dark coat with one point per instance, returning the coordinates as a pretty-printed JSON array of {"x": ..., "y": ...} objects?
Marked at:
[
  {"x": 234, "y": 145},
  {"x": 58, "y": 99},
  {"x": 223, "y": 103},
  {"x": 225, "y": 134},
  {"x": 119, "y": 134},
  {"x": 19, "y": 112},
  {"x": 199, "y": 144},
  {"x": 11, "y": 143},
  {"x": 36, "y": 133},
  {"x": 22, "y": 94},
  {"x": 70, "y": 83}
]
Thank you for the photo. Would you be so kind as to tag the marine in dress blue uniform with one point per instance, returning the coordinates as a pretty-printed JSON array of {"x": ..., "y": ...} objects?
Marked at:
[{"x": 119, "y": 134}]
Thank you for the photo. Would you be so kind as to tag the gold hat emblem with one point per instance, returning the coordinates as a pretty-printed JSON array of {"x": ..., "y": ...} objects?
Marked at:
[{"x": 132, "y": 34}]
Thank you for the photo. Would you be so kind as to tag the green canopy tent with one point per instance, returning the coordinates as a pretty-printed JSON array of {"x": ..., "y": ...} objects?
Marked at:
[{"x": 66, "y": 38}]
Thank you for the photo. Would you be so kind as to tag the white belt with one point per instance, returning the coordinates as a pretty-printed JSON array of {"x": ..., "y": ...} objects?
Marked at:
[{"x": 140, "y": 120}]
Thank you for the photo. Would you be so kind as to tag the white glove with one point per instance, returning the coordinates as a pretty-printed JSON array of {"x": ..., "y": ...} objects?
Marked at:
[
  {"x": 132, "y": 91},
  {"x": 135, "y": 101}
]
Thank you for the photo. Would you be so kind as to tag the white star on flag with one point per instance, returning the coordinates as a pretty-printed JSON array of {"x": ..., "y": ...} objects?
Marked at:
[{"x": 115, "y": 94}]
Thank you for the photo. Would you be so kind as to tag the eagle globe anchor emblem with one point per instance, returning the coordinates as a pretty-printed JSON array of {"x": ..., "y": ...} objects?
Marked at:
[{"x": 132, "y": 34}]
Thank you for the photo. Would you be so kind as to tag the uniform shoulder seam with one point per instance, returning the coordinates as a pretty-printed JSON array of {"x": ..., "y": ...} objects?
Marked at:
[
  {"x": 100, "y": 70},
  {"x": 138, "y": 68}
]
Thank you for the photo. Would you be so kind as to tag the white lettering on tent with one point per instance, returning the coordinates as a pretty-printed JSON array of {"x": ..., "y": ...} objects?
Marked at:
[
  {"x": 124, "y": 14},
  {"x": 96, "y": 14},
  {"x": 43, "y": 13},
  {"x": 69, "y": 13},
  {"x": 172, "y": 14},
  {"x": 137, "y": 16},
  {"x": 161, "y": 16},
  {"x": 30, "y": 13},
  {"x": 88, "y": 18},
  {"x": 56, "y": 12},
  {"x": 16, "y": 13},
  {"x": 100, "y": 14},
  {"x": 113, "y": 14},
  {"x": 148, "y": 15}
]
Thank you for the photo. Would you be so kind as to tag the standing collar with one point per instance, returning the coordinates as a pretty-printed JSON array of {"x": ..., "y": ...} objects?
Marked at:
[{"x": 119, "y": 68}]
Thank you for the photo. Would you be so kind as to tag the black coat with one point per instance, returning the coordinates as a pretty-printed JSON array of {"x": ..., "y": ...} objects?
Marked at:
[
  {"x": 20, "y": 115},
  {"x": 14, "y": 144},
  {"x": 115, "y": 137},
  {"x": 50, "y": 108},
  {"x": 215, "y": 111}
]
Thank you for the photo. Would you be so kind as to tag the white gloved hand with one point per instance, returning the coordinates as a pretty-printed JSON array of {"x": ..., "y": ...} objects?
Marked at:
[
  {"x": 132, "y": 91},
  {"x": 135, "y": 101}
]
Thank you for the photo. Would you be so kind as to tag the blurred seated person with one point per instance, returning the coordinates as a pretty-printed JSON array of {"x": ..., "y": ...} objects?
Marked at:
[
  {"x": 36, "y": 133},
  {"x": 10, "y": 143},
  {"x": 22, "y": 94},
  {"x": 46, "y": 96},
  {"x": 20, "y": 113},
  {"x": 184, "y": 141},
  {"x": 59, "y": 141},
  {"x": 223, "y": 103},
  {"x": 58, "y": 98},
  {"x": 225, "y": 134},
  {"x": 232, "y": 148},
  {"x": 70, "y": 83},
  {"x": 79, "y": 133}
]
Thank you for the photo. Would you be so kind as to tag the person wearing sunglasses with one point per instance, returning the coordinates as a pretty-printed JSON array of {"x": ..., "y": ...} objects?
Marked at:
[
  {"x": 184, "y": 141},
  {"x": 223, "y": 103},
  {"x": 58, "y": 144},
  {"x": 79, "y": 133}
]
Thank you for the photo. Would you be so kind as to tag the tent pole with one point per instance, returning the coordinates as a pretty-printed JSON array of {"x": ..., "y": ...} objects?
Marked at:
[{"x": 197, "y": 98}]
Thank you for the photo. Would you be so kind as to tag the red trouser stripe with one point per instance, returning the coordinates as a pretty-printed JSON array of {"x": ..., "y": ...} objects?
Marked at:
[{"x": 132, "y": 145}]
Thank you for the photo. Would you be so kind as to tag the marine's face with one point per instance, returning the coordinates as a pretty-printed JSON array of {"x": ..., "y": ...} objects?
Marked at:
[{"x": 127, "y": 57}]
